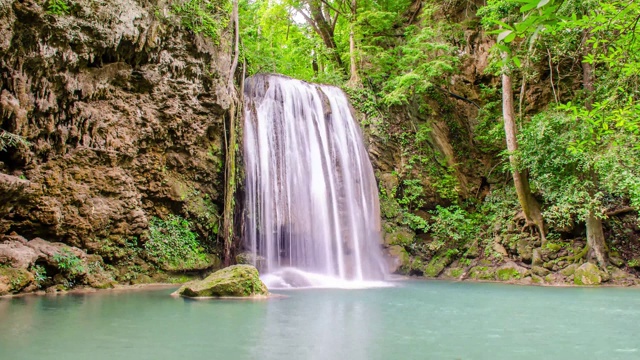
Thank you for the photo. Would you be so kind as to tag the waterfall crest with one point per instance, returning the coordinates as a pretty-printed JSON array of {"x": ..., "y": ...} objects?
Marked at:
[{"x": 312, "y": 211}]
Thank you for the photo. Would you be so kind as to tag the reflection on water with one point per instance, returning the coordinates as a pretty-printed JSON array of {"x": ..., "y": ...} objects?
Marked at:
[{"x": 415, "y": 320}]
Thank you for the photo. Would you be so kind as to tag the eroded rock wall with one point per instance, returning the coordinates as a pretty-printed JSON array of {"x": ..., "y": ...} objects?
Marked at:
[{"x": 123, "y": 109}]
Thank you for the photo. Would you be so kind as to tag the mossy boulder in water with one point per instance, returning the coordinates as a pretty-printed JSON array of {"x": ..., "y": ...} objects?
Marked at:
[
  {"x": 587, "y": 274},
  {"x": 232, "y": 281}
]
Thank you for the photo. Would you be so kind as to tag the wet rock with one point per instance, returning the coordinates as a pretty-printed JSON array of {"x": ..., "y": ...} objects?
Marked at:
[
  {"x": 436, "y": 265},
  {"x": 482, "y": 273},
  {"x": 616, "y": 261},
  {"x": 536, "y": 257},
  {"x": 622, "y": 277},
  {"x": 525, "y": 250},
  {"x": 498, "y": 248},
  {"x": 587, "y": 274},
  {"x": 453, "y": 273},
  {"x": 15, "y": 252},
  {"x": 511, "y": 271},
  {"x": 232, "y": 281},
  {"x": 569, "y": 270},
  {"x": 397, "y": 259},
  {"x": 14, "y": 280},
  {"x": 540, "y": 271},
  {"x": 399, "y": 237},
  {"x": 473, "y": 251},
  {"x": 247, "y": 258}
]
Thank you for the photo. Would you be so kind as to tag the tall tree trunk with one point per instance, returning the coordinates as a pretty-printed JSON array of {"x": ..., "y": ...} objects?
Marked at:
[
  {"x": 354, "y": 79},
  {"x": 322, "y": 27},
  {"x": 595, "y": 240},
  {"x": 530, "y": 206},
  {"x": 595, "y": 234}
]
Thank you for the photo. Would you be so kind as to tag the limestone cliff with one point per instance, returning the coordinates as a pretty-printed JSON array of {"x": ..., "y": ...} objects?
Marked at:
[{"x": 123, "y": 109}]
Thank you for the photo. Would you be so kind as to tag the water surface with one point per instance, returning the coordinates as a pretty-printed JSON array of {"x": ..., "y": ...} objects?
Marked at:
[{"x": 414, "y": 320}]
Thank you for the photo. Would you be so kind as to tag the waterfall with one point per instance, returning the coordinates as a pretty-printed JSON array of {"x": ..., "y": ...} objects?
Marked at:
[{"x": 311, "y": 201}]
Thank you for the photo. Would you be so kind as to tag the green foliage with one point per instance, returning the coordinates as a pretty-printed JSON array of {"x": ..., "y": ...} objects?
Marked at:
[
  {"x": 208, "y": 17},
  {"x": 172, "y": 242},
  {"x": 274, "y": 42},
  {"x": 68, "y": 263},
  {"x": 39, "y": 274},
  {"x": 454, "y": 225},
  {"x": 9, "y": 140},
  {"x": 426, "y": 60},
  {"x": 57, "y": 7},
  {"x": 576, "y": 179}
]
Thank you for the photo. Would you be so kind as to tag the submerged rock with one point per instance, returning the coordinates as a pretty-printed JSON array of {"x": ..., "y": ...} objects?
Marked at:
[{"x": 232, "y": 281}]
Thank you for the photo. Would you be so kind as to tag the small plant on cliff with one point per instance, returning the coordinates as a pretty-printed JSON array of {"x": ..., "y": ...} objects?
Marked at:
[
  {"x": 172, "y": 242},
  {"x": 57, "y": 7},
  {"x": 68, "y": 262},
  {"x": 39, "y": 274},
  {"x": 203, "y": 16},
  {"x": 8, "y": 140}
]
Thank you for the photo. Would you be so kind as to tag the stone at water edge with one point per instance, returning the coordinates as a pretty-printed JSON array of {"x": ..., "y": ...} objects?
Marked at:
[
  {"x": 232, "y": 281},
  {"x": 587, "y": 274}
]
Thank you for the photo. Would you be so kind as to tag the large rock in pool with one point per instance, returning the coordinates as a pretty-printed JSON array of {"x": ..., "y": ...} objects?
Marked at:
[{"x": 232, "y": 281}]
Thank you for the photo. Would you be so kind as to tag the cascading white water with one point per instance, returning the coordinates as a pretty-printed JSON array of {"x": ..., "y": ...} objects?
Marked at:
[{"x": 312, "y": 211}]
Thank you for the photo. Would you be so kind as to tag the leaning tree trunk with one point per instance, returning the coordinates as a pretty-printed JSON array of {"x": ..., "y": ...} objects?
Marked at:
[
  {"x": 530, "y": 206},
  {"x": 595, "y": 234}
]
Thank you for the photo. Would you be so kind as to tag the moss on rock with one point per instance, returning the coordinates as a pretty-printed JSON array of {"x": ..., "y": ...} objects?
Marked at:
[
  {"x": 13, "y": 280},
  {"x": 587, "y": 274},
  {"x": 482, "y": 273},
  {"x": 436, "y": 265},
  {"x": 232, "y": 281},
  {"x": 453, "y": 272},
  {"x": 511, "y": 271}
]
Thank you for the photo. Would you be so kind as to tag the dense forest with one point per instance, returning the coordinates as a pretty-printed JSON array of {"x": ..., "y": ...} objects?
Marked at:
[
  {"x": 504, "y": 134},
  {"x": 519, "y": 119}
]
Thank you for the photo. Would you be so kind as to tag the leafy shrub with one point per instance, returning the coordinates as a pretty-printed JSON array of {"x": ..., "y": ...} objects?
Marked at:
[
  {"x": 171, "y": 242},
  {"x": 39, "y": 274},
  {"x": 203, "y": 16},
  {"x": 68, "y": 262},
  {"x": 8, "y": 140},
  {"x": 57, "y": 7}
]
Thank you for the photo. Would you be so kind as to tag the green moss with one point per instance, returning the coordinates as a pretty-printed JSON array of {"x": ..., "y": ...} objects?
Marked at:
[
  {"x": 508, "y": 274},
  {"x": 233, "y": 281},
  {"x": 482, "y": 273},
  {"x": 454, "y": 272},
  {"x": 436, "y": 265},
  {"x": 587, "y": 274},
  {"x": 17, "y": 279}
]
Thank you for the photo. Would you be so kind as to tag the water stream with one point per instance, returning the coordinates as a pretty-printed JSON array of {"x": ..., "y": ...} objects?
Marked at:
[{"x": 313, "y": 217}]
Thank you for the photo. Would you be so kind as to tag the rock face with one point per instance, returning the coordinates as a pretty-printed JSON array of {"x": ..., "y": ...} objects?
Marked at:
[
  {"x": 123, "y": 109},
  {"x": 233, "y": 281},
  {"x": 29, "y": 265}
]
